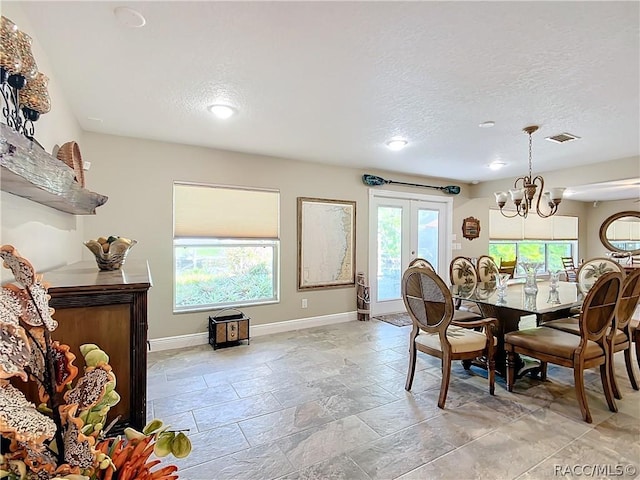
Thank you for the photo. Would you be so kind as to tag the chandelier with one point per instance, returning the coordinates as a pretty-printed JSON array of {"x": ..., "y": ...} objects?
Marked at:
[{"x": 525, "y": 192}]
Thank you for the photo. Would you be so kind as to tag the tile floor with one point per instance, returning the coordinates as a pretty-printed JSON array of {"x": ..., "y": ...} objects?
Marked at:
[{"x": 329, "y": 403}]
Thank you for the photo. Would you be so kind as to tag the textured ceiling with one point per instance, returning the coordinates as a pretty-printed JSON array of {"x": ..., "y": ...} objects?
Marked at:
[{"x": 332, "y": 81}]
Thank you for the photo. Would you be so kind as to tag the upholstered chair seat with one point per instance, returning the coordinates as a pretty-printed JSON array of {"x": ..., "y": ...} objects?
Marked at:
[
  {"x": 461, "y": 340},
  {"x": 550, "y": 341}
]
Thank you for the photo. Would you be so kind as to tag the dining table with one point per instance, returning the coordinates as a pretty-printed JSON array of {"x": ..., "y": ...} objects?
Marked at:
[{"x": 509, "y": 306}]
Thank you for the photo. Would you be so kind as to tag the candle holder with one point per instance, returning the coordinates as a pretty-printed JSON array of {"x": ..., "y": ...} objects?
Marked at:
[{"x": 24, "y": 89}]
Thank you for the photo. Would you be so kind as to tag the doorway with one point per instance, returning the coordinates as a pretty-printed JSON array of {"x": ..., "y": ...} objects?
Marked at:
[{"x": 403, "y": 226}]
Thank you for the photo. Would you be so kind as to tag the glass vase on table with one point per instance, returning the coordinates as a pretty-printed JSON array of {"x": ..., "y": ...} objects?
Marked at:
[
  {"x": 501, "y": 286},
  {"x": 531, "y": 270}
]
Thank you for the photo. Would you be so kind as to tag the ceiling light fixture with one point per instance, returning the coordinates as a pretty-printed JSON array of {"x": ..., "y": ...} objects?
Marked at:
[
  {"x": 487, "y": 124},
  {"x": 396, "y": 144},
  {"x": 524, "y": 191},
  {"x": 222, "y": 111},
  {"x": 497, "y": 165}
]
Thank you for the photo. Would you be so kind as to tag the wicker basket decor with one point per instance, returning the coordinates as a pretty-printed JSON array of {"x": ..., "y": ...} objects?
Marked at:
[{"x": 69, "y": 153}]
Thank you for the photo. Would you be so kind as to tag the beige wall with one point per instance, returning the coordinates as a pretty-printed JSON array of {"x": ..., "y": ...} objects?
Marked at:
[
  {"x": 47, "y": 237},
  {"x": 138, "y": 176}
]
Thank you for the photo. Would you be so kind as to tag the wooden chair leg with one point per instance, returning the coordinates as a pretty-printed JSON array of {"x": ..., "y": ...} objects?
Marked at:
[
  {"x": 446, "y": 375},
  {"x": 578, "y": 378},
  {"x": 636, "y": 340},
  {"x": 412, "y": 366},
  {"x": 629, "y": 364},
  {"x": 543, "y": 371},
  {"x": 491, "y": 361},
  {"x": 511, "y": 370},
  {"x": 606, "y": 385},
  {"x": 612, "y": 380}
]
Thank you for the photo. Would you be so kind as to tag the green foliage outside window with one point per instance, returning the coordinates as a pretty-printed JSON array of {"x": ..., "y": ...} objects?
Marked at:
[
  {"x": 547, "y": 253},
  {"x": 223, "y": 275}
]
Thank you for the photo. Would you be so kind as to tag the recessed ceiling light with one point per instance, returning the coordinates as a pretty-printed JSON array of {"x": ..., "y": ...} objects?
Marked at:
[
  {"x": 129, "y": 17},
  {"x": 496, "y": 165},
  {"x": 222, "y": 111},
  {"x": 487, "y": 124},
  {"x": 475, "y": 182},
  {"x": 396, "y": 144}
]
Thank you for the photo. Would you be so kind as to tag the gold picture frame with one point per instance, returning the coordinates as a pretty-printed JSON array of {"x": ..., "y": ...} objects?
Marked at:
[
  {"x": 470, "y": 228},
  {"x": 326, "y": 243}
]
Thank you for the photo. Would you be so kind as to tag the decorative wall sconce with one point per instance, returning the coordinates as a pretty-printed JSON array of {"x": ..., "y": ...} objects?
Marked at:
[{"x": 24, "y": 89}]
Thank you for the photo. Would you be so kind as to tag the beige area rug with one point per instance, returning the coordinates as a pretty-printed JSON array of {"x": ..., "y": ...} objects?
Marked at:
[{"x": 398, "y": 319}]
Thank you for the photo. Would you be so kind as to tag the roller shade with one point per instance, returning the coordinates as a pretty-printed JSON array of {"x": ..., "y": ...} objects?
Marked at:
[
  {"x": 558, "y": 227},
  {"x": 224, "y": 212}
]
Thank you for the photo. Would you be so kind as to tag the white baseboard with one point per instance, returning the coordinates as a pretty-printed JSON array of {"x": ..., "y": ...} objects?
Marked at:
[{"x": 193, "y": 339}]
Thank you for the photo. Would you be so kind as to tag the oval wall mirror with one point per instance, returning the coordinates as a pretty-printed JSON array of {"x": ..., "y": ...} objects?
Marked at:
[{"x": 621, "y": 232}]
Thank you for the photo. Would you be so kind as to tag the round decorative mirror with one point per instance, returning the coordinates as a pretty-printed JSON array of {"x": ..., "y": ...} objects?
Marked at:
[{"x": 621, "y": 232}]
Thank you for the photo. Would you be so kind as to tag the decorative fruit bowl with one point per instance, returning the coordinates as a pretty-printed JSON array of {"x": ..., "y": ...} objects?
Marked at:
[{"x": 110, "y": 252}]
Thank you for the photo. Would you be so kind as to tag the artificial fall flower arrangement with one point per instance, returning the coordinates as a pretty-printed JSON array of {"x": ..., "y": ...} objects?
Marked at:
[{"x": 65, "y": 436}]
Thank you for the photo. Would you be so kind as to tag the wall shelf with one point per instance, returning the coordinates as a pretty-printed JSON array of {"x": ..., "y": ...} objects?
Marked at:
[{"x": 27, "y": 171}]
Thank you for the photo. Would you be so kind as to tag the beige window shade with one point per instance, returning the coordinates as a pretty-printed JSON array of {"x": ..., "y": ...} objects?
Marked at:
[
  {"x": 503, "y": 228},
  {"x": 225, "y": 212},
  {"x": 558, "y": 227},
  {"x": 565, "y": 228}
]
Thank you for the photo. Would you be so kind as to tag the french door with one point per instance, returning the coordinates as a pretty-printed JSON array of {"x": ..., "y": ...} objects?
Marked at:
[{"x": 402, "y": 227}]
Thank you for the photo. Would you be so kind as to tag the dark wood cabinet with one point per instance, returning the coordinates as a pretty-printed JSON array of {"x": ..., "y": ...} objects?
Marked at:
[{"x": 110, "y": 310}]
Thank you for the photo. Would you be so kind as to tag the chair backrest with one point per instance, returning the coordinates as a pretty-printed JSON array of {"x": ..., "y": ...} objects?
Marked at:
[
  {"x": 569, "y": 269},
  {"x": 428, "y": 299},
  {"x": 421, "y": 262},
  {"x": 628, "y": 299},
  {"x": 508, "y": 266},
  {"x": 487, "y": 269},
  {"x": 599, "y": 307},
  {"x": 462, "y": 272},
  {"x": 594, "y": 268}
]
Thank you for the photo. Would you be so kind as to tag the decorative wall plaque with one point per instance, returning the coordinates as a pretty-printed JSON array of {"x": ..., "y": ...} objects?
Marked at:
[{"x": 471, "y": 228}]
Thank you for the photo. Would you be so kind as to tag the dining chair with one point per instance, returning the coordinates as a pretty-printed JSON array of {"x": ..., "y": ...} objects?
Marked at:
[
  {"x": 487, "y": 269},
  {"x": 569, "y": 269},
  {"x": 421, "y": 262},
  {"x": 593, "y": 268},
  {"x": 463, "y": 272},
  {"x": 508, "y": 266},
  {"x": 435, "y": 332},
  {"x": 626, "y": 328},
  {"x": 587, "y": 350}
]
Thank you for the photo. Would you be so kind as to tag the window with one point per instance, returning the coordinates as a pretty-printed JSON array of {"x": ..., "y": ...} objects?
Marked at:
[
  {"x": 226, "y": 246},
  {"x": 534, "y": 239},
  {"x": 549, "y": 253}
]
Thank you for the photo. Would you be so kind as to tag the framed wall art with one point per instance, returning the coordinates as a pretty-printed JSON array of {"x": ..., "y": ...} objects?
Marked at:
[
  {"x": 326, "y": 243},
  {"x": 471, "y": 228}
]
